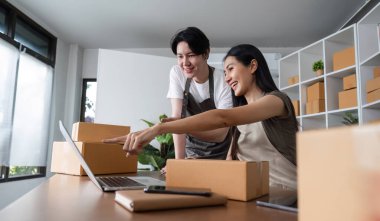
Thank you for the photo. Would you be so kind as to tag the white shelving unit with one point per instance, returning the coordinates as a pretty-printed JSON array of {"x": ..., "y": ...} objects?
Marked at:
[
  {"x": 365, "y": 38},
  {"x": 369, "y": 57}
]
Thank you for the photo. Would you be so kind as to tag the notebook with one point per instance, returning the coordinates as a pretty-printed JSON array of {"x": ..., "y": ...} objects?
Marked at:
[
  {"x": 138, "y": 200},
  {"x": 110, "y": 183}
]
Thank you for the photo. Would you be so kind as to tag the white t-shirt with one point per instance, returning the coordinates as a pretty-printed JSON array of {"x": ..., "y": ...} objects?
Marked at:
[{"x": 200, "y": 92}]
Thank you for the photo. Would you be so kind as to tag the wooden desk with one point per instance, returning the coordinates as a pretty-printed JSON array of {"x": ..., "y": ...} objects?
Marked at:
[{"x": 66, "y": 198}]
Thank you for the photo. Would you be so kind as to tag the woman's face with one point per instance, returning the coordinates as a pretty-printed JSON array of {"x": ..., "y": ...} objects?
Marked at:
[
  {"x": 189, "y": 62},
  {"x": 239, "y": 76}
]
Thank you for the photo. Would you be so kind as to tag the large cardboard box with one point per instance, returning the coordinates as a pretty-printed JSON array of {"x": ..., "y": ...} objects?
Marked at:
[
  {"x": 91, "y": 132},
  {"x": 339, "y": 174},
  {"x": 101, "y": 158},
  {"x": 376, "y": 72},
  {"x": 349, "y": 82},
  {"x": 315, "y": 106},
  {"x": 344, "y": 58},
  {"x": 373, "y": 96},
  {"x": 373, "y": 84},
  {"x": 316, "y": 91},
  {"x": 348, "y": 98},
  {"x": 296, "y": 105},
  {"x": 237, "y": 180}
]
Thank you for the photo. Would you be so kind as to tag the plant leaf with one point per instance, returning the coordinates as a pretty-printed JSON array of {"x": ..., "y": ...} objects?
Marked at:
[{"x": 148, "y": 122}]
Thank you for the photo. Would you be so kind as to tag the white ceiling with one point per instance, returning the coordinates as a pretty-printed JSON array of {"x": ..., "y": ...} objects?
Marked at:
[{"x": 151, "y": 23}]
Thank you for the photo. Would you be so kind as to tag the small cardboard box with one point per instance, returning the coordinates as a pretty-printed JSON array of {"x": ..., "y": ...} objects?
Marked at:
[
  {"x": 293, "y": 80},
  {"x": 339, "y": 174},
  {"x": 296, "y": 105},
  {"x": 348, "y": 98},
  {"x": 373, "y": 96},
  {"x": 344, "y": 58},
  {"x": 316, "y": 91},
  {"x": 349, "y": 82},
  {"x": 373, "y": 84},
  {"x": 91, "y": 132},
  {"x": 237, "y": 180},
  {"x": 101, "y": 158},
  {"x": 315, "y": 106},
  {"x": 376, "y": 72}
]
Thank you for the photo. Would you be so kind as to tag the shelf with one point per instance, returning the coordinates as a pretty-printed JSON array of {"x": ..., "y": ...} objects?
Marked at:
[
  {"x": 373, "y": 60},
  {"x": 336, "y": 119},
  {"x": 368, "y": 34},
  {"x": 342, "y": 72},
  {"x": 373, "y": 105}
]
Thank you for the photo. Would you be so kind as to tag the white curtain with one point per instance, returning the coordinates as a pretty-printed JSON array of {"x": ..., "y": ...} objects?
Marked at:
[
  {"x": 29, "y": 127},
  {"x": 8, "y": 64}
]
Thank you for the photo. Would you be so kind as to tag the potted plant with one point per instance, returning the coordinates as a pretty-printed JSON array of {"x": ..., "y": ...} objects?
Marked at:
[
  {"x": 157, "y": 157},
  {"x": 318, "y": 67},
  {"x": 350, "y": 119}
]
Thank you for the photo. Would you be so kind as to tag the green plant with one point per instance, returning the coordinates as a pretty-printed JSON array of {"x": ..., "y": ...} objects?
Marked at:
[
  {"x": 318, "y": 65},
  {"x": 157, "y": 156},
  {"x": 350, "y": 119}
]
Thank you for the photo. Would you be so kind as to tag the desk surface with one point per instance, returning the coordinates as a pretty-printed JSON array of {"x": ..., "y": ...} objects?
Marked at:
[{"x": 65, "y": 197}]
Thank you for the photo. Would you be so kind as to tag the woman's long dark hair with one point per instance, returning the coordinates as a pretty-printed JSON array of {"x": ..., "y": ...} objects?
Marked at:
[{"x": 245, "y": 53}]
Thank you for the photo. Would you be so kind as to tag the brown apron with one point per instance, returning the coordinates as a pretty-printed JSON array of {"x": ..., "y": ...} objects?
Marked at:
[{"x": 196, "y": 148}]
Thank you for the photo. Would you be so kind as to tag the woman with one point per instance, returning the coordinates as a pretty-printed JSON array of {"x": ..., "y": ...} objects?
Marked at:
[
  {"x": 196, "y": 87},
  {"x": 263, "y": 115}
]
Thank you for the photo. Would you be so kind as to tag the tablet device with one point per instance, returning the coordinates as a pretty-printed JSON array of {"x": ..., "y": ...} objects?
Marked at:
[{"x": 286, "y": 200}]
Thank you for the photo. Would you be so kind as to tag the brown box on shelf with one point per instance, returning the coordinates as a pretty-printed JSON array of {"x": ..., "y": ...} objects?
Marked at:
[
  {"x": 349, "y": 82},
  {"x": 91, "y": 132},
  {"x": 376, "y": 72},
  {"x": 348, "y": 98},
  {"x": 373, "y": 96},
  {"x": 237, "y": 180},
  {"x": 296, "y": 105},
  {"x": 101, "y": 158},
  {"x": 315, "y": 106},
  {"x": 316, "y": 91},
  {"x": 344, "y": 58},
  {"x": 373, "y": 84},
  {"x": 339, "y": 174},
  {"x": 293, "y": 80}
]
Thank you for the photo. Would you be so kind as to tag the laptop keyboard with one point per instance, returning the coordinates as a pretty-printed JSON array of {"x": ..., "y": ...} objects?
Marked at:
[{"x": 119, "y": 181}]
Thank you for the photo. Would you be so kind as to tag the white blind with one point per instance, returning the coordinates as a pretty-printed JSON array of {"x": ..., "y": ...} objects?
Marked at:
[
  {"x": 8, "y": 64},
  {"x": 29, "y": 123}
]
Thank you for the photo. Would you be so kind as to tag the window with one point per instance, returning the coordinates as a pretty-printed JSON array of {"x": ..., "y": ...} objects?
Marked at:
[
  {"x": 88, "y": 100},
  {"x": 2, "y": 20},
  {"x": 27, "y": 54}
]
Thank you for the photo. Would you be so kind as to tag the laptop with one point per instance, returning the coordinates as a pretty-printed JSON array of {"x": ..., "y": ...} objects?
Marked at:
[
  {"x": 283, "y": 200},
  {"x": 110, "y": 183}
]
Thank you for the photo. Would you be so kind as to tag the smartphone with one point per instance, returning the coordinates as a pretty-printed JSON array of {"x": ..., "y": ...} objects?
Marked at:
[{"x": 178, "y": 190}]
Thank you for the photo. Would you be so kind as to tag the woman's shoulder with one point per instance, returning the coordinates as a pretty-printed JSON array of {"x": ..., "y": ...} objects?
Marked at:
[{"x": 279, "y": 94}]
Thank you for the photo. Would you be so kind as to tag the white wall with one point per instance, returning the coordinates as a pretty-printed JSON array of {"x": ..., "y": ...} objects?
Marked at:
[
  {"x": 90, "y": 63},
  {"x": 132, "y": 87}
]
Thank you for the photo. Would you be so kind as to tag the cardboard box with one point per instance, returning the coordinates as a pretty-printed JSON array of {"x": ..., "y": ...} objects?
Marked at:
[
  {"x": 373, "y": 96},
  {"x": 315, "y": 106},
  {"x": 316, "y": 91},
  {"x": 349, "y": 82},
  {"x": 376, "y": 72},
  {"x": 344, "y": 58},
  {"x": 296, "y": 105},
  {"x": 373, "y": 84},
  {"x": 348, "y": 98},
  {"x": 339, "y": 174},
  {"x": 293, "y": 80},
  {"x": 101, "y": 158},
  {"x": 91, "y": 132},
  {"x": 237, "y": 180}
]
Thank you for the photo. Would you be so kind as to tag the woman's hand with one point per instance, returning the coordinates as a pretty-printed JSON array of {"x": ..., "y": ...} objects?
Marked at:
[
  {"x": 168, "y": 119},
  {"x": 135, "y": 141}
]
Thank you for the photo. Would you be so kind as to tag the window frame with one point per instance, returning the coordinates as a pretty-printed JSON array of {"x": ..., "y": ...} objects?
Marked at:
[{"x": 11, "y": 16}]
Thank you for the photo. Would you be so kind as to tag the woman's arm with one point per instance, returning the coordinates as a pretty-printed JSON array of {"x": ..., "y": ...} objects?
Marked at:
[{"x": 264, "y": 108}]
